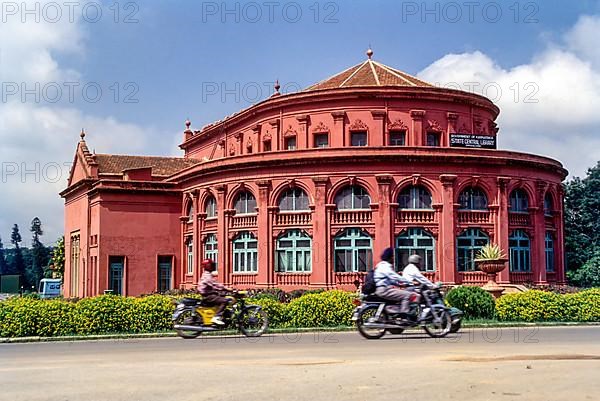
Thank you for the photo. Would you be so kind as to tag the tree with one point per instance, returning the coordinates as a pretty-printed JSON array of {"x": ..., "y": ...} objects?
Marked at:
[
  {"x": 589, "y": 274},
  {"x": 3, "y": 265},
  {"x": 582, "y": 218},
  {"x": 58, "y": 257},
  {"x": 39, "y": 255},
  {"x": 18, "y": 264}
]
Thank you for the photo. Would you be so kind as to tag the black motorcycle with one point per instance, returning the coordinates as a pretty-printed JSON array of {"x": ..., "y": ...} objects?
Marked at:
[
  {"x": 376, "y": 316},
  {"x": 193, "y": 317}
]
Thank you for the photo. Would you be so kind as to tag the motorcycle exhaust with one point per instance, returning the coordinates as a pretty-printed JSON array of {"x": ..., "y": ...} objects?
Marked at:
[
  {"x": 193, "y": 328},
  {"x": 382, "y": 326}
]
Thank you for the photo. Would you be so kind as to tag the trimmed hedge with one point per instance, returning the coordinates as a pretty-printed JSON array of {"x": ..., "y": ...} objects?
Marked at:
[
  {"x": 20, "y": 317},
  {"x": 538, "y": 306},
  {"x": 329, "y": 308},
  {"x": 475, "y": 302}
]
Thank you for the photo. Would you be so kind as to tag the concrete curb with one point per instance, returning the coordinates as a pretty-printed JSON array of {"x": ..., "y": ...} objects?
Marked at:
[{"x": 232, "y": 333}]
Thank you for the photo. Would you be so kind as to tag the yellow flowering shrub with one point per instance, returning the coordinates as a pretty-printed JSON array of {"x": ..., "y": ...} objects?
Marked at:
[{"x": 329, "y": 308}]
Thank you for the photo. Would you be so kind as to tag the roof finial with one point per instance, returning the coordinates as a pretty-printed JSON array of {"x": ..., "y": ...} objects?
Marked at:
[
  {"x": 82, "y": 134},
  {"x": 369, "y": 52},
  {"x": 277, "y": 86},
  {"x": 187, "y": 123}
]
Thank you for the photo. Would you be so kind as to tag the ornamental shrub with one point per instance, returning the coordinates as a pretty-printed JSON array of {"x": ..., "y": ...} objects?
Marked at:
[
  {"x": 475, "y": 302},
  {"x": 105, "y": 314},
  {"x": 275, "y": 310},
  {"x": 152, "y": 313},
  {"x": 329, "y": 308},
  {"x": 533, "y": 306},
  {"x": 584, "y": 306},
  {"x": 19, "y": 317}
]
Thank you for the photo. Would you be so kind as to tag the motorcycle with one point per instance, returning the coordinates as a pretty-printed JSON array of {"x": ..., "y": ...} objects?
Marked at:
[
  {"x": 193, "y": 317},
  {"x": 375, "y": 316}
]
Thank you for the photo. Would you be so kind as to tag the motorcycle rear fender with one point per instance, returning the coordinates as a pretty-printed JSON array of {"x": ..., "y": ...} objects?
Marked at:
[{"x": 179, "y": 311}]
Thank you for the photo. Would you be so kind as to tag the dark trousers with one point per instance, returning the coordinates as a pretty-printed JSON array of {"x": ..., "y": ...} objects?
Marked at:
[{"x": 214, "y": 299}]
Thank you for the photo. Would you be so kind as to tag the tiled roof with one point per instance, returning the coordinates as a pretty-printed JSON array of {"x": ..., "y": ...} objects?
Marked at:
[
  {"x": 161, "y": 166},
  {"x": 369, "y": 73}
]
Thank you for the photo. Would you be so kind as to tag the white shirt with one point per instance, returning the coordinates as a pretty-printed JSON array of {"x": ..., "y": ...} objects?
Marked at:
[
  {"x": 386, "y": 276},
  {"x": 412, "y": 274}
]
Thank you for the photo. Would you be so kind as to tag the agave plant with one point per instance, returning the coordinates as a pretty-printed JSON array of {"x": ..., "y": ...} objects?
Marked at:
[{"x": 490, "y": 252}]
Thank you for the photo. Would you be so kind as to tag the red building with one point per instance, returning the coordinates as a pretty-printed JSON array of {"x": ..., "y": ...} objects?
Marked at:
[{"x": 306, "y": 189}]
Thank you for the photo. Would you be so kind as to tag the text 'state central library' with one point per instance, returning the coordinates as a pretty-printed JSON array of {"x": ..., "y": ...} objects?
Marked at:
[{"x": 305, "y": 190}]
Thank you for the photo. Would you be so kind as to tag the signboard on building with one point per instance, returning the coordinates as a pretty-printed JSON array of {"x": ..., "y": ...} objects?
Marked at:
[{"x": 473, "y": 141}]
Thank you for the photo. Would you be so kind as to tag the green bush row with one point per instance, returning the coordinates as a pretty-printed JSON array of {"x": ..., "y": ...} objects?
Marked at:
[
  {"x": 536, "y": 306},
  {"x": 27, "y": 316},
  {"x": 20, "y": 317}
]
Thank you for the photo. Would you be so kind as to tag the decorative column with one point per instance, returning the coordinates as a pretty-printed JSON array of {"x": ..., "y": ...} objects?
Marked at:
[
  {"x": 559, "y": 248},
  {"x": 320, "y": 242},
  {"x": 377, "y": 135},
  {"x": 239, "y": 139},
  {"x": 222, "y": 235},
  {"x": 302, "y": 138},
  {"x": 416, "y": 137},
  {"x": 447, "y": 243},
  {"x": 339, "y": 132},
  {"x": 265, "y": 233},
  {"x": 183, "y": 252},
  {"x": 275, "y": 139},
  {"x": 538, "y": 242},
  {"x": 501, "y": 224},
  {"x": 383, "y": 223},
  {"x": 452, "y": 121},
  {"x": 196, "y": 236}
]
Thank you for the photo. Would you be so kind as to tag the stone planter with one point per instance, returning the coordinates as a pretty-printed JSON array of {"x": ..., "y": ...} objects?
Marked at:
[{"x": 491, "y": 268}]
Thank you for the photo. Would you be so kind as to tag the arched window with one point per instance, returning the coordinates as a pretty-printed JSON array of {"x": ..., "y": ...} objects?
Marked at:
[
  {"x": 548, "y": 208},
  {"x": 352, "y": 197},
  {"x": 245, "y": 253},
  {"x": 468, "y": 244},
  {"x": 189, "y": 212},
  {"x": 549, "y": 252},
  {"x": 473, "y": 198},
  {"x": 518, "y": 243},
  {"x": 293, "y": 252},
  {"x": 353, "y": 251},
  {"x": 519, "y": 202},
  {"x": 415, "y": 241},
  {"x": 245, "y": 203},
  {"x": 416, "y": 197},
  {"x": 211, "y": 207},
  {"x": 294, "y": 199},
  {"x": 211, "y": 250},
  {"x": 189, "y": 245}
]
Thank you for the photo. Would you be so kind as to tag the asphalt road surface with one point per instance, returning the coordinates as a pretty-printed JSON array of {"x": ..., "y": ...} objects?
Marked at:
[{"x": 528, "y": 363}]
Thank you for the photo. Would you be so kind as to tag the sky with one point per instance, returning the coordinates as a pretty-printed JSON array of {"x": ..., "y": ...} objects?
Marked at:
[{"x": 130, "y": 73}]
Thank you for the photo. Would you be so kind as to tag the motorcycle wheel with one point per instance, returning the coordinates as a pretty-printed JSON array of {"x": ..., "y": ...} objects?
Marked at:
[
  {"x": 253, "y": 321},
  {"x": 456, "y": 327},
  {"x": 363, "y": 317},
  {"x": 187, "y": 318},
  {"x": 440, "y": 324}
]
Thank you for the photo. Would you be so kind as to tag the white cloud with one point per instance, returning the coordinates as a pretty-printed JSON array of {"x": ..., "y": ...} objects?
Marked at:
[
  {"x": 38, "y": 140},
  {"x": 549, "y": 105}
]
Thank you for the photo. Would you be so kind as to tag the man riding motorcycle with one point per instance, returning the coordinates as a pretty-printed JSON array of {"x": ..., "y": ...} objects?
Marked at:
[
  {"x": 388, "y": 282},
  {"x": 412, "y": 273},
  {"x": 209, "y": 288}
]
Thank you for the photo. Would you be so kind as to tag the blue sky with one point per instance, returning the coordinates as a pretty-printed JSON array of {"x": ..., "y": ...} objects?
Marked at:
[
  {"x": 172, "y": 53},
  {"x": 175, "y": 47}
]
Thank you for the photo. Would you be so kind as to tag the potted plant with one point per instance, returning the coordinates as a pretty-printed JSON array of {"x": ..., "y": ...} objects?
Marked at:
[{"x": 491, "y": 260}]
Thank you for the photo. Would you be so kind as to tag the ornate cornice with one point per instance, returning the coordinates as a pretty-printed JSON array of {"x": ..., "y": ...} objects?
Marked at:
[
  {"x": 358, "y": 125},
  {"x": 320, "y": 128},
  {"x": 397, "y": 125}
]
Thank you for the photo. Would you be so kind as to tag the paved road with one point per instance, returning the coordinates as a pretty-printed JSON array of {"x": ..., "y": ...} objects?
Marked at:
[{"x": 493, "y": 364}]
